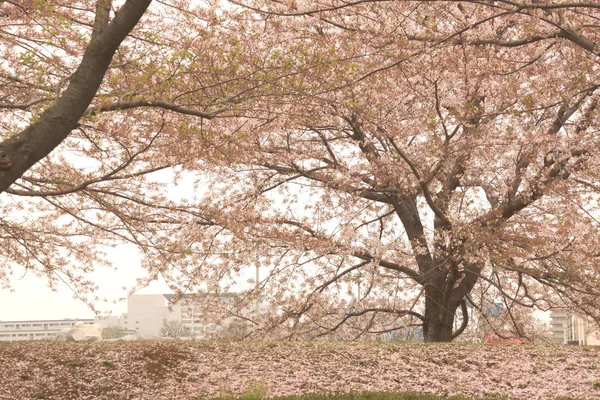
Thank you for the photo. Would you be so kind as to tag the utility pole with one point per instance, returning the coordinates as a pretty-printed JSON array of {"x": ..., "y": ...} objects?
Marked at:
[{"x": 257, "y": 305}]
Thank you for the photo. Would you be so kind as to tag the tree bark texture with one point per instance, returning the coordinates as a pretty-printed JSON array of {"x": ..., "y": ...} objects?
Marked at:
[{"x": 439, "y": 317}]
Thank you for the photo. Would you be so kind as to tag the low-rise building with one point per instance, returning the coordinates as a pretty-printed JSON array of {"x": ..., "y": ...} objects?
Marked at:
[{"x": 36, "y": 329}]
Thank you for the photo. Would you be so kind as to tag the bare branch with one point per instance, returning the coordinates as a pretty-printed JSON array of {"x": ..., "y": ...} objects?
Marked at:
[{"x": 151, "y": 103}]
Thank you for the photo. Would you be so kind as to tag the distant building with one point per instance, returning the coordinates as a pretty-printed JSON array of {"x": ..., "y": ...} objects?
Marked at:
[
  {"x": 111, "y": 320},
  {"x": 13, "y": 331},
  {"x": 148, "y": 313},
  {"x": 46, "y": 329},
  {"x": 573, "y": 329}
]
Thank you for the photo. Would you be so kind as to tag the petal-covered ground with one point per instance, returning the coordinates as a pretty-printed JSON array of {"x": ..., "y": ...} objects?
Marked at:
[{"x": 181, "y": 370}]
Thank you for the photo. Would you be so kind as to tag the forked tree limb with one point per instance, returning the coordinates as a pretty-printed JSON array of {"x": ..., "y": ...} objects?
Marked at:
[{"x": 19, "y": 152}]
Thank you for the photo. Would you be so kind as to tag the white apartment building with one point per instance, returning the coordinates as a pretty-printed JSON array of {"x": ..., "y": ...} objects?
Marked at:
[
  {"x": 573, "y": 329},
  {"x": 148, "y": 313},
  {"x": 36, "y": 330}
]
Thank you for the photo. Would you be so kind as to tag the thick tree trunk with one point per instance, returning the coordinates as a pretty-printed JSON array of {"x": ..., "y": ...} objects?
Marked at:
[
  {"x": 439, "y": 328},
  {"x": 439, "y": 317}
]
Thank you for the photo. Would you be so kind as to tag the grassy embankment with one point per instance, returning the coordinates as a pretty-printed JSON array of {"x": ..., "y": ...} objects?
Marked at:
[{"x": 367, "y": 396}]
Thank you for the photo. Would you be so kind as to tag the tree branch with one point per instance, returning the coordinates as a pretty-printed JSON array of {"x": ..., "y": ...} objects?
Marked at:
[
  {"x": 102, "y": 17},
  {"x": 424, "y": 188},
  {"x": 465, "y": 321},
  {"x": 18, "y": 153},
  {"x": 150, "y": 103},
  {"x": 416, "y": 276},
  {"x": 24, "y": 106}
]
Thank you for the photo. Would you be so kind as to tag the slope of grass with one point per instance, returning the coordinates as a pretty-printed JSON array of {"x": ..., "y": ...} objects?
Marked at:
[{"x": 364, "y": 396}]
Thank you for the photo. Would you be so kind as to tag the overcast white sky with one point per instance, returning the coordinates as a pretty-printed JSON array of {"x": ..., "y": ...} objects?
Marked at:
[{"x": 32, "y": 299}]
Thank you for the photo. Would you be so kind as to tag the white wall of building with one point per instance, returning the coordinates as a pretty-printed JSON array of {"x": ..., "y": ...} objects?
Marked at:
[
  {"x": 147, "y": 313},
  {"x": 36, "y": 329},
  {"x": 111, "y": 320},
  {"x": 570, "y": 328}
]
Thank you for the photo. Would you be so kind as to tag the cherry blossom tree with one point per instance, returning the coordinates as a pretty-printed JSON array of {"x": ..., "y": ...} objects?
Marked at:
[
  {"x": 454, "y": 160},
  {"x": 382, "y": 163}
]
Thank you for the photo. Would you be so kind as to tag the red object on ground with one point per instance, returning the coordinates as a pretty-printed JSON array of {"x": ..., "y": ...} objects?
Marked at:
[{"x": 495, "y": 339}]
